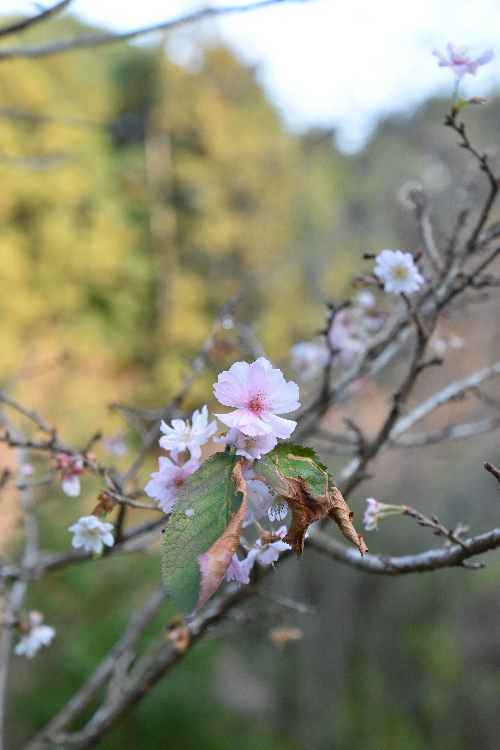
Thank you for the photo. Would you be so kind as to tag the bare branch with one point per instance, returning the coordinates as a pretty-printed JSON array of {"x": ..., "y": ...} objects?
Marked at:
[
  {"x": 493, "y": 470},
  {"x": 452, "y": 432},
  {"x": 44, "y": 15},
  {"x": 56, "y": 46},
  {"x": 443, "y": 396},
  {"x": 136, "y": 627},
  {"x": 434, "y": 559}
]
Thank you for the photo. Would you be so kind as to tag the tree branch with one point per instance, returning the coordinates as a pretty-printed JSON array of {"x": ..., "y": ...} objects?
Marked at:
[
  {"x": 56, "y": 46},
  {"x": 42, "y": 16}
]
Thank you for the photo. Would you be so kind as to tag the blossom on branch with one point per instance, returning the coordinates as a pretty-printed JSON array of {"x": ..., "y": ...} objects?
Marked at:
[
  {"x": 70, "y": 467},
  {"x": 246, "y": 446},
  {"x": 258, "y": 392},
  {"x": 375, "y": 511},
  {"x": 398, "y": 271},
  {"x": 166, "y": 484},
  {"x": 237, "y": 570},
  {"x": 460, "y": 62},
  {"x": 184, "y": 436},
  {"x": 309, "y": 358},
  {"x": 91, "y": 533},
  {"x": 37, "y": 636},
  {"x": 353, "y": 326},
  {"x": 259, "y": 497},
  {"x": 267, "y": 549}
]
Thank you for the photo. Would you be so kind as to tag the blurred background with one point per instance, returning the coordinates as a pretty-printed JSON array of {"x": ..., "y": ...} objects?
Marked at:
[{"x": 141, "y": 187}]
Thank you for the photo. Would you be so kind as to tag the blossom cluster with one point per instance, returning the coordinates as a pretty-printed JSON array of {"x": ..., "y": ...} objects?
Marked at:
[
  {"x": 182, "y": 437},
  {"x": 348, "y": 334},
  {"x": 266, "y": 551}
]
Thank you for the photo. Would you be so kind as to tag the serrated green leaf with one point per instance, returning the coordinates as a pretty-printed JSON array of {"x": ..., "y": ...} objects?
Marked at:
[
  {"x": 211, "y": 494},
  {"x": 293, "y": 461}
]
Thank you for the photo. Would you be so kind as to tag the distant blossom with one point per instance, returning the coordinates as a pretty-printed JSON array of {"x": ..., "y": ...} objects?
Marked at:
[
  {"x": 39, "y": 635},
  {"x": 91, "y": 534},
  {"x": 353, "y": 326},
  {"x": 166, "y": 483},
  {"x": 460, "y": 62},
  {"x": 184, "y": 436},
  {"x": 375, "y": 511},
  {"x": 115, "y": 445},
  {"x": 70, "y": 468},
  {"x": 309, "y": 358},
  {"x": 398, "y": 272},
  {"x": 259, "y": 392}
]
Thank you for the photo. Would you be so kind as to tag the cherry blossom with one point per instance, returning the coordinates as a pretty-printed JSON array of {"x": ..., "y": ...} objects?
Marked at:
[
  {"x": 166, "y": 483},
  {"x": 375, "y": 511},
  {"x": 460, "y": 62},
  {"x": 185, "y": 436},
  {"x": 258, "y": 392},
  {"x": 259, "y": 497},
  {"x": 237, "y": 571},
  {"x": 91, "y": 533},
  {"x": 267, "y": 550},
  {"x": 70, "y": 467},
  {"x": 354, "y": 325},
  {"x": 398, "y": 271},
  {"x": 37, "y": 636},
  {"x": 249, "y": 447},
  {"x": 309, "y": 358}
]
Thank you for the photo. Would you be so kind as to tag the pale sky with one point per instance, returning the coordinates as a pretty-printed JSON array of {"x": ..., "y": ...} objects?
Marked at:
[{"x": 328, "y": 63}]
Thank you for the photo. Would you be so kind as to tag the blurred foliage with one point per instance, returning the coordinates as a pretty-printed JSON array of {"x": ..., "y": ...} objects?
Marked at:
[{"x": 136, "y": 196}]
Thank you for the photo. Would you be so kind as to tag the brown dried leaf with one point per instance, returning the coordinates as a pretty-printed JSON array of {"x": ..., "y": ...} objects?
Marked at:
[
  {"x": 216, "y": 560},
  {"x": 306, "y": 508},
  {"x": 342, "y": 516}
]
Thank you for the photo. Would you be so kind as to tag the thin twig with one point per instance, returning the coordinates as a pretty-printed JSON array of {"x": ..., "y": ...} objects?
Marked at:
[{"x": 86, "y": 41}]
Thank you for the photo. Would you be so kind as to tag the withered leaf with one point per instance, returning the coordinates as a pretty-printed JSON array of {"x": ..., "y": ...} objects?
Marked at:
[
  {"x": 216, "y": 560},
  {"x": 342, "y": 516},
  {"x": 304, "y": 483},
  {"x": 306, "y": 508}
]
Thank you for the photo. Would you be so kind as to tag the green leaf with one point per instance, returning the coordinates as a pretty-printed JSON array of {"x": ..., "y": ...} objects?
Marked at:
[
  {"x": 293, "y": 461},
  {"x": 211, "y": 494}
]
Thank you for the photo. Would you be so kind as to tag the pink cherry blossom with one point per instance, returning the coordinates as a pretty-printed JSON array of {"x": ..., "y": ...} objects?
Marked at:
[
  {"x": 460, "y": 62},
  {"x": 237, "y": 570},
  {"x": 70, "y": 467},
  {"x": 249, "y": 447},
  {"x": 258, "y": 392},
  {"x": 375, "y": 511},
  {"x": 185, "y": 436},
  {"x": 166, "y": 484}
]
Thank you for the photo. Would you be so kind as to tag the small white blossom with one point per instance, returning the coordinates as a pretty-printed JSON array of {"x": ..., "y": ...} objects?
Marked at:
[
  {"x": 91, "y": 534},
  {"x": 31, "y": 643},
  {"x": 71, "y": 485},
  {"x": 246, "y": 446},
  {"x": 398, "y": 272},
  {"x": 185, "y": 436}
]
